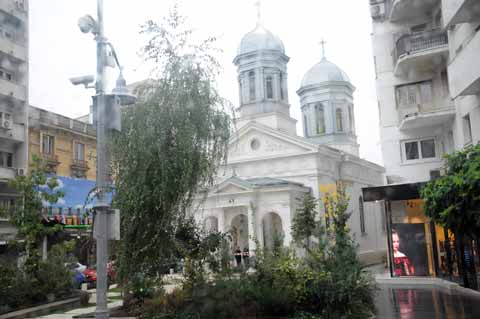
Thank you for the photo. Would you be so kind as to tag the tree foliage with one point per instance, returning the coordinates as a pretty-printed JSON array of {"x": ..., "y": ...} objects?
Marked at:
[
  {"x": 453, "y": 200},
  {"x": 171, "y": 143},
  {"x": 303, "y": 225}
]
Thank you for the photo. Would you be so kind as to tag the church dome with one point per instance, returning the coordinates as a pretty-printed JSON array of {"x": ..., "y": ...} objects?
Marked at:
[
  {"x": 324, "y": 71},
  {"x": 260, "y": 39}
]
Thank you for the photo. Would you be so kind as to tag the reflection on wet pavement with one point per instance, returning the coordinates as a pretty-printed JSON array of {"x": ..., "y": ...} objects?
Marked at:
[{"x": 404, "y": 303}]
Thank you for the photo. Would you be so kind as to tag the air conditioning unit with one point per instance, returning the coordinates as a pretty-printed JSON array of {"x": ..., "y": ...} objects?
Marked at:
[
  {"x": 377, "y": 10},
  {"x": 20, "y": 172},
  {"x": 6, "y": 124}
]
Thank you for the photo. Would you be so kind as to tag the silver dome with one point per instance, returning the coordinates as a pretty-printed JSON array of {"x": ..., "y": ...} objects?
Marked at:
[
  {"x": 260, "y": 39},
  {"x": 324, "y": 71}
]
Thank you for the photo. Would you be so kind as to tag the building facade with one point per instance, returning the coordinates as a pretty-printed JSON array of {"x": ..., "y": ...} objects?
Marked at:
[
  {"x": 270, "y": 167},
  {"x": 13, "y": 101},
  {"x": 67, "y": 145},
  {"x": 427, "y": 83}
]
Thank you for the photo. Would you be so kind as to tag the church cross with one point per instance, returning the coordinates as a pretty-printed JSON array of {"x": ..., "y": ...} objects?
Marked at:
[
  {"x": 258, "y": 4},
  {"x": 322, "y": 43}
]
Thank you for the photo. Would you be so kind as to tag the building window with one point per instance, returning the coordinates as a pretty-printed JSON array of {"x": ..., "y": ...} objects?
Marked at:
[
  {"x": 7, "y": 75},
  {"x": 320, "y": 118},
  {"x": 414, "y": 95},
  {"x": 240, "y": 88},
  {"x": 362, "y": 215},
  {"x": 339, "y": 120},
  {"x": 6, "y": 159},
  {"x": 305, "y": 126},
  {"x": 350, "y": 117},
  {"x": 79, "y": 151},
  {"x": 446, "y": 88},
  {"x": 48, "y": 142},
  {"x": 251, "y": 85},
  {"x": 269, "y": 85},
  {"x": 419, "y": 149},
  {"x": 281, "y": 86},
  {"x": 467, "y": 129}
]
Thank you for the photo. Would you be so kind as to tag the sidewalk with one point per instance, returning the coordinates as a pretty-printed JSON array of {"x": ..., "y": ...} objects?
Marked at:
[{"x": 88, "y": 310}]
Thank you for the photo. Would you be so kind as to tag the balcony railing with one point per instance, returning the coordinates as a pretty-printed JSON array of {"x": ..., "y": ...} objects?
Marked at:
[
  {"x": 51, "y": 158},
  {"x": 60, "y": 121},
  {"x": 420, "y": 42},
  {"x": 80, "y": 164}
]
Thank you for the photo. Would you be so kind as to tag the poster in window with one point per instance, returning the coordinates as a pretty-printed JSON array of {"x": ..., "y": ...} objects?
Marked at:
[{"x": 409, "y": 247}]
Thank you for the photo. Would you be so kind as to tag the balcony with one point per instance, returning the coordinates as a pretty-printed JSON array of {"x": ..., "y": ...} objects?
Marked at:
[
  {"x": 419, "y": 116},
  {"x": 12, "y": 90},
  {"x": 15, "y": 133},
  {"x": 14, "y": 49},
  {"x": 51, "y": 162},
  {"x": 411, "y": 10},
  {"x": 460, "y": 11},
  {"x": 421, "y": 52},
  {"x": 79, "y": 164},
  {"x": 7, "y": 173},
  {"x": 464, "y": 70},
  {"x": 17, "y": 9}
]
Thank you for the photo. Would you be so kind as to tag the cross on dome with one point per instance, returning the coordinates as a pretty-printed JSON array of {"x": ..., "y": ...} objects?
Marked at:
[
  {"x": 322, "y": 43},
  {"x": 258, "y": 4}
]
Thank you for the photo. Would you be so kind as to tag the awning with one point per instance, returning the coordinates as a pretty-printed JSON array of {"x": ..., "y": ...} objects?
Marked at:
[{"x": 393, "y": 192}]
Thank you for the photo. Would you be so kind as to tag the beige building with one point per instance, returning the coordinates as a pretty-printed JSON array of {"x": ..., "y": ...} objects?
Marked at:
[
  {"x": 13, "y": 100},
  {"x": 67, "y": 145}
]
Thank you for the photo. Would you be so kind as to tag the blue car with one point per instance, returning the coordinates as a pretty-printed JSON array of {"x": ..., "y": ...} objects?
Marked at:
[{"x": 78, "y": 279}]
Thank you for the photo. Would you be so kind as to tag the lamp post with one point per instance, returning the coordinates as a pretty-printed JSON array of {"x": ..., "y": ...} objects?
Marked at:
[{"x": 106, "y": 107}]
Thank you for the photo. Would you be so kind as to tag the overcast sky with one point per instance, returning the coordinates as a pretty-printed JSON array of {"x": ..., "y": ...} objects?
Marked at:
[{"x": 58, "y": 50}]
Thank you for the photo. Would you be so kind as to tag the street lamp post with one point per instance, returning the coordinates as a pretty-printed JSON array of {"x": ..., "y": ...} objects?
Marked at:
[{"x": 104, "y": 105}]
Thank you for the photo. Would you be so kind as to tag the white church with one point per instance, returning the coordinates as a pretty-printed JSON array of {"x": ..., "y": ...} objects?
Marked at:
[{"x": 270, "y": 167}]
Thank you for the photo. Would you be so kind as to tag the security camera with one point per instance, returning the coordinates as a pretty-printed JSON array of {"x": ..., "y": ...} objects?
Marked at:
[
  {"x": 85, "y": 80},
  {"x": 87, "y": 24}
]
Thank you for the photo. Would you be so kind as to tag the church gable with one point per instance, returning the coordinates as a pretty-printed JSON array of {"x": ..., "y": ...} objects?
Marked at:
[
  {"x": 230, "y": 188},
  {"x": 255, "y": 142}
]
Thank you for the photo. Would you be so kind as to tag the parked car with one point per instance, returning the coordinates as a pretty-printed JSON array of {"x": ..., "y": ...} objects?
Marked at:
[
  {"x": 91, "y": 275},
  {"x": 78, "y": 277},
  {"x": 76, "y": 266}
]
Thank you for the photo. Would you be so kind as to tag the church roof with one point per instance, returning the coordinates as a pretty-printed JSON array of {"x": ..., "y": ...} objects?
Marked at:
[
  {"x": 260, "y": 39},
  {"x": 268, "y": 181},
  {"x": 324, "y": 71}
]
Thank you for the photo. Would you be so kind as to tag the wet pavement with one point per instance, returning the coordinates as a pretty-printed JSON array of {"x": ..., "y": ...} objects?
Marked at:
[{"x": 402, "y": 303}]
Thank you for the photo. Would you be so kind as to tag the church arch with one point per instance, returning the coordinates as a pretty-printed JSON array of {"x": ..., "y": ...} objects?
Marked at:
[
  {"x": 210, "y": 224},
  {"x": 281, "y": 86},
  {"x": 320, "y": 118},
  {"x": 272, "y": 229},
  {"x": 339, "y": 120},
  {"x": 251, "y": 85},
  {"x": 239, "y": 232}
]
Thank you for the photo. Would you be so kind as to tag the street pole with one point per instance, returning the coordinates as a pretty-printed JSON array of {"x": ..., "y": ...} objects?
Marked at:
[{"x": 102, "y": 206}]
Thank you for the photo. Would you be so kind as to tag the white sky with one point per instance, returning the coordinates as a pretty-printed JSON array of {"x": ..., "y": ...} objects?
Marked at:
[{"x": 59, "y": 51}]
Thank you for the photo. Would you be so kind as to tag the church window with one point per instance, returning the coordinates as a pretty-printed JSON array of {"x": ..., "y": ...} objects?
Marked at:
[
  {"x": 251, "y": 84},
  {"x": 240, "y": 87},
  {"x": 281, "y": 86},
  {"x": 339, "y": 120},
  {"x": 305, "y": 127},
  {"x": 362, "y": 215},
  {"x": 350, "y": 117},
  {"x": 269, "y": 87},
  {"x": 255, "y": 144},
  {"x": 320, "y": 119}
]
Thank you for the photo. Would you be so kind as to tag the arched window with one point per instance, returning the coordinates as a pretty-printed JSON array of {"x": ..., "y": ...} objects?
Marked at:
[
  {"x": 251, "y": 85},
  {"x": 240, "y": 88},
  {"x": 305, "y": 127},
  {"x": 362, "y": 214},
  {"x": 339, "y": 118},
  {"x": 269, "y": 84},
  {"x": 320, "y": 119},
  {"x": 281, "y": 86}
]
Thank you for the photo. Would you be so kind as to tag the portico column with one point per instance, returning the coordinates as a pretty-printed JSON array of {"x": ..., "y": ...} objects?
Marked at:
[
  {"x": 251, "y": 230},
  {"x": 221, "y": 220}
]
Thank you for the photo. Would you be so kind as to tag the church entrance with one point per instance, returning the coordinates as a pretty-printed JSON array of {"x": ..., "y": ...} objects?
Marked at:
[
  {"x": 239, "y": 232},
  {"x": 272, "y": 230}
]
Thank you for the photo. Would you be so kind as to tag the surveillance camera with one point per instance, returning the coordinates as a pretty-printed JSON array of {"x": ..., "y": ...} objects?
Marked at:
[
  {"x": 85, "y": 80},
  {"x": 87, "y": 24}
]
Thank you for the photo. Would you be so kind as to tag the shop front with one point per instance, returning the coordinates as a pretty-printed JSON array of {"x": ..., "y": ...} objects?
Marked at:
[{"x": 418, "y": 247}]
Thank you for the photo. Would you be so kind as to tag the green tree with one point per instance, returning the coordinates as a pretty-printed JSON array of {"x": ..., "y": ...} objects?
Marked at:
[
  {"x": 453, "y": 200},
  {"x": 303, "y": 225},
  {"x": 34, "y": 190},
  {"x": 171, "y": 144}
]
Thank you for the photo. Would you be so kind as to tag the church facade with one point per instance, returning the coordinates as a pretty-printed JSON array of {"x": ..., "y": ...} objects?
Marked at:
[{"x": 270, "y": 167}]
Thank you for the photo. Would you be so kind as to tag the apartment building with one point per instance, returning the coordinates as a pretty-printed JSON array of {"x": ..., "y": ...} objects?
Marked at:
[
  {"x": 68, "y": 146},
  {"x": 13, "y": 100},
  {"x": 410, "y": 47}
]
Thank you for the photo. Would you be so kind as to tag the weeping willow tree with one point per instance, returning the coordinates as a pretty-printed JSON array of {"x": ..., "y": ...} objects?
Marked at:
[{"x": 170, "y": 146}]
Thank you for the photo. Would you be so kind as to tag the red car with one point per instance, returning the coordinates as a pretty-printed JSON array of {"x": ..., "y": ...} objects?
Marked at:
[{"x": 91, "y": 275}]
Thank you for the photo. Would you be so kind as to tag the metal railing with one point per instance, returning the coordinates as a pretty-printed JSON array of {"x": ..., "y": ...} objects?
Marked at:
[
  {"x": 67, "y": 123},
  {"x": 80, "y": 163},
  {"x": 53, "y": 158},
  {"x": 419, "y": 42}
]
